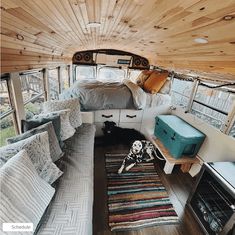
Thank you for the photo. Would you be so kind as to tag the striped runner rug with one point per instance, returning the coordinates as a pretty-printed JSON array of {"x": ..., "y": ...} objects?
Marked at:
[{"x": 137, "y": 198}]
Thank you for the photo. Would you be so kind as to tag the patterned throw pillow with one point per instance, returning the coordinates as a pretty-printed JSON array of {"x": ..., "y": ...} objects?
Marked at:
[
  {"x": 72, "y": 104},
  {"x": 66, "y": 129},
  {"x": 55, "y": 150},
  {"x": 143, "y": 76},
  {"x": 24, "y": 195},
  {"x": 38, "y": 120},
  {"x": 37, "y": 148},
  {"x": 155, "y": 81}
]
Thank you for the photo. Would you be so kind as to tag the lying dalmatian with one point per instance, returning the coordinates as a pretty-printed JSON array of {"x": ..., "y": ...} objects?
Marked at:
[{"x": 141, "y": 151}]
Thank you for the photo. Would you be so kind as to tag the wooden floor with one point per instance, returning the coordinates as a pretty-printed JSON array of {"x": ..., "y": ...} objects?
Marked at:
[{"x": 178, "y": 185}]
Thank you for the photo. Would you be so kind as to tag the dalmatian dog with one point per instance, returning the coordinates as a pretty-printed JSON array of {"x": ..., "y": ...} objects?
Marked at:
[{"x": 141, "y": 151}]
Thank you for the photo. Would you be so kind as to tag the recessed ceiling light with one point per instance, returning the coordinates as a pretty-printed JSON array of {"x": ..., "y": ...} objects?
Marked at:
[
  {"x": 93, "y": 24},
  {"x": 200, "y": 40},
  {"x": 228, "y": 17}
]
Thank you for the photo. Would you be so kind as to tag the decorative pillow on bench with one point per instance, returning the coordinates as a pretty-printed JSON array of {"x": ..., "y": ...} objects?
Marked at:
[
  {"x": 55, "y": 150},
  {"x": 37, "y": 148},
  {"x": 72, "y": 104},
  {"x": 66, "y": 130},
  {"x": 38, "y": 120},
  {"x": 24, "y": 195}
]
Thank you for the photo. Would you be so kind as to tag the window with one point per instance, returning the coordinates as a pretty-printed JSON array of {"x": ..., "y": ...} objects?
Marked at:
[
  {"x": 64, "y": 78},
  {"x": 212, "y": 105},
  {"x": 7, "y": 114},
  {"x": 32, "y": 88},
  {"x": 111, "y": 74},
  {"x": 85, "y": 72},
  {"x": 232, "y": 131},
  {"x": 134, "y": 74},
  {"x": 53, "y": 77},
  {"x": 181, "y": 91}
]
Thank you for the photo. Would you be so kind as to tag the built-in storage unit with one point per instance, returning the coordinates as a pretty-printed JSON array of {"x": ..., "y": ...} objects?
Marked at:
[
  {"x": 126, "y": 118},
  {"x": 212, "y": 200}
]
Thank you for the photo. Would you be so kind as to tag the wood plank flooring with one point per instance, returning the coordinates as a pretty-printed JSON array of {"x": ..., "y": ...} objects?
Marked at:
[{"x": 178, "y": 185}]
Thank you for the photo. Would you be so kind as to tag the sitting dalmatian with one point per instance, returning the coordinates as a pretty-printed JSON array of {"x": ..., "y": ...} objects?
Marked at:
[{"x": 141, "y": 151}]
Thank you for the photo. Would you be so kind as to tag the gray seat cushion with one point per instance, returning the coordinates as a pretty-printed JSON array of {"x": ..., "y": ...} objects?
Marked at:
[{"x": 71, "y": 209}]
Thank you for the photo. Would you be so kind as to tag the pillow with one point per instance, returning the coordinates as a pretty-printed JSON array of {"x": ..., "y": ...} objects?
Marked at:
[
  {"x": 24, "y": 195},
  {"x": 143, "y": 76},
  {"x": 37, "y": 147},
  {"x": 66, "y": 130},
  {"x": 72, "y": 104},
  {"x": 54, "y": 146},
  {"x": 38, "y": 120},
  {"x": 155, "y": 81}
]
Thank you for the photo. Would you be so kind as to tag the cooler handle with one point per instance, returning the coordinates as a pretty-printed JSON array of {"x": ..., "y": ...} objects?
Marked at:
[{"x": 173, "y": 137}]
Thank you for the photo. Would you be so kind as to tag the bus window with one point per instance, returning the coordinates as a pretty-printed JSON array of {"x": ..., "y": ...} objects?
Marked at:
[
  {"x": 85, "y": 72},
  {"x": 7, "y": 114},
  {"x": 108, "y": 74},
  {"x": 32, "y": 88},
  {"x": 54, "y": 87},
  {"x": 212, "y": 105},
  {"x": 181, "y": 91}
]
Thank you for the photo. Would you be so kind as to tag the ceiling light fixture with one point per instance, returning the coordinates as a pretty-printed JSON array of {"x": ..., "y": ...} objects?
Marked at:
[
  {"x": 228, "y": 17},
  {"x": 93, "y": 24},
  {"x": 201, "y": 40}
]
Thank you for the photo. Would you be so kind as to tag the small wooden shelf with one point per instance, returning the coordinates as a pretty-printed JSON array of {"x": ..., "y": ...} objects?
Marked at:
[{"x": 184, "y": 161}]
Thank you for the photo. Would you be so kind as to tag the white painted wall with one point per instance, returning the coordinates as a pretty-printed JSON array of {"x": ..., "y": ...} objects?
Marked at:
[
  {"x": 148, "y": 120},
  {"x": 217, "y": 146}
]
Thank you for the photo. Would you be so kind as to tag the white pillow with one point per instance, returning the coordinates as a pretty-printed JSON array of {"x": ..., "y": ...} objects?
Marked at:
[
  {"x": 37, "y": 148},
  {"x": 72, "y": 104},
  {"x": 55, "y": 150},
  {"x": 66, "y": 129},
  {"x": 24, "y": 195}
]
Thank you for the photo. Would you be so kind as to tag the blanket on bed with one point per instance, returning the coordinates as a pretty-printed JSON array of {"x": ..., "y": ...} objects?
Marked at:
[{"x": 96, "y": 95}]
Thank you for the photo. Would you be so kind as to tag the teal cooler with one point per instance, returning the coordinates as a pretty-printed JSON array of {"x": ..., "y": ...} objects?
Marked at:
[{"x": 179, "y": 137}]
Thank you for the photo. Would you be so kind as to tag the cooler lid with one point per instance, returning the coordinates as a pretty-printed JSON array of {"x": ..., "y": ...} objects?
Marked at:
[{"x": 180, "y": 126}]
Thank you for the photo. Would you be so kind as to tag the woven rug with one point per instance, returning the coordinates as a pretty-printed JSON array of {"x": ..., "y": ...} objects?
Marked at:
[{"x": 137, "y": 198}]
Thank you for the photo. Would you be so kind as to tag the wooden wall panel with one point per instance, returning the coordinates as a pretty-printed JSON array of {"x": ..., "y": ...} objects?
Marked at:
[{"x": 48, "y": 32}]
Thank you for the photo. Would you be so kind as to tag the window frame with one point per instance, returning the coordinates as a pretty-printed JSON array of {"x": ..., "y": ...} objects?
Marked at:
[
  {"x": 230, "y": 119},
  {"x": 12, "y": 111}
]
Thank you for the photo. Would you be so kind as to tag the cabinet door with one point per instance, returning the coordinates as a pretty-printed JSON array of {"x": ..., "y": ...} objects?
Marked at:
[
  {"x": 129, "y": 115},
  {"x": 107, "y": 115}
]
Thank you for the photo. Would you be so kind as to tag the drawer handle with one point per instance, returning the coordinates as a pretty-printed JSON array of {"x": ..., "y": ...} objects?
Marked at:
[
  {"x": 107, "y": 116},
  {"x": 173, "y": 137},
  {"x": 130, "y": 116},
  {"x": 165, "y": 131}
]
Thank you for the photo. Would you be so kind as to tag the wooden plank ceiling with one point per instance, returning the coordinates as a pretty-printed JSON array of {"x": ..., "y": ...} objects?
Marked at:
[{"x": 37, "y": 33}]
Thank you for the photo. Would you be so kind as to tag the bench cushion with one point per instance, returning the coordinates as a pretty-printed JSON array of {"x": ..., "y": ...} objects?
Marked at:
[{"x": 71, "y": 209}]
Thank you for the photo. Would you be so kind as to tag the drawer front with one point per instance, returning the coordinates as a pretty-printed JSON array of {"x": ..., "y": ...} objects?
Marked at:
[
  {"x": 107, "y": 115},
  {"x": 130, "y": 115},
  {"x": 131, "y": 125}
]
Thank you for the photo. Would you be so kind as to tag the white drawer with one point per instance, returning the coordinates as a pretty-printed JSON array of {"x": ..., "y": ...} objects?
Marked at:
[
  {"x": 129, "y": 115},
  {"x": 131, "y": 125},
  {"x": 107, "y": 115}
]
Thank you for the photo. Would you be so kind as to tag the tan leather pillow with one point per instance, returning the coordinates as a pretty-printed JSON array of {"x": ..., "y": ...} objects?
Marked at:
[
  {"x": 143, "y": 76},
  {"x": 155, "y": 81}
]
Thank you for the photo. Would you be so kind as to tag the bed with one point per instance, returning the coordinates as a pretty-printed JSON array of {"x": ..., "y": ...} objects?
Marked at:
[{"x": 96, "y": 95}]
